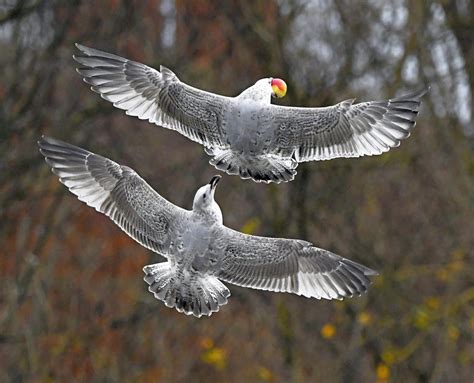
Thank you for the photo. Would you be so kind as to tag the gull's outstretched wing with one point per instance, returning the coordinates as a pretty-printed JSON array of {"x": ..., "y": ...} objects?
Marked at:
[
  {"x": 345, "y": 129},
  {"x": 117, "y": 191},
  {"x": 157, "y": 96},
  {"x": 287, "y": 265}
]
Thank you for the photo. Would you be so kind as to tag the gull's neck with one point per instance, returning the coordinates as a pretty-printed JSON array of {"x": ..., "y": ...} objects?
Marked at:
[
  {"x": 209, "y": 214},
  {"x": 260, "y": 93}
]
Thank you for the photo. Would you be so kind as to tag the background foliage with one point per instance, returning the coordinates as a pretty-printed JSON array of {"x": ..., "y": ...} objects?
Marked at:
[{"x": 73, "y": 306}]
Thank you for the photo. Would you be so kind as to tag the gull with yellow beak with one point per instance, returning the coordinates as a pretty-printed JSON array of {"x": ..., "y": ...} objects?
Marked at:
[{"x": 247, "y": 135}]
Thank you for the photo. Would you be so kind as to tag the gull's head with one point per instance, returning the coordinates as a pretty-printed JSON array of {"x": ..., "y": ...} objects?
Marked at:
[
  {"x": 278, "y": 87},
  {"x": 263, "y": 89},
  {"x": 204, "y": 200}
]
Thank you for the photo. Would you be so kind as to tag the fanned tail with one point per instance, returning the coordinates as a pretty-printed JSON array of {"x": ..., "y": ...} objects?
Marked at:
[
  {"x": 196, "y": 295},
  {"x": 264, "y": 168}
]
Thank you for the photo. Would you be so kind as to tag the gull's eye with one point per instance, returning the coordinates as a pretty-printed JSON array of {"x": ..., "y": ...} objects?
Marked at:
[{"x": 203, "y": 196}]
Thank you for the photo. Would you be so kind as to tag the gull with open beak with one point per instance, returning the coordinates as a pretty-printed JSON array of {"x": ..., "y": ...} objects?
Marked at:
[{"x": 200, "y": 251}]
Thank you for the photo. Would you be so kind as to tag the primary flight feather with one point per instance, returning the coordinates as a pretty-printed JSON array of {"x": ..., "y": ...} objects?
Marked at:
[
  {"x": 247, "y": 135},
  {"x": 200, "y": 251}
]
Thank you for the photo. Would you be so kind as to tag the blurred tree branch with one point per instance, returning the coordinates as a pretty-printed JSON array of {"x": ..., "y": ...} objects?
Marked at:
[{"x": 21, "y": 9}]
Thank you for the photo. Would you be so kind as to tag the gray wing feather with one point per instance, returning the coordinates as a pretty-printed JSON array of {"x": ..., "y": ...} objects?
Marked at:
[
  {"x": 115, "y": 190},
  {"x": 156, "y": 96},
  {"x": 345, "y": 129},
  {"x": 287, "y": 265}
]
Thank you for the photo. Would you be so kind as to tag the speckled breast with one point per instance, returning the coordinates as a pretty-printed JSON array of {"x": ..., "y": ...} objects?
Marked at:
[{"x": 248, "y": 128}]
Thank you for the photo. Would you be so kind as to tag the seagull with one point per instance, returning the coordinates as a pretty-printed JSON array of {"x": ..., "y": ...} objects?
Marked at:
[
  {"x": 247, "y": 135},
  {"x": 201, "y": 252}
]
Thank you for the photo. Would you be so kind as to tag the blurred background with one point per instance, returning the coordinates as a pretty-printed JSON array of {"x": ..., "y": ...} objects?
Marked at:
[{"x": 73, "y": 305}]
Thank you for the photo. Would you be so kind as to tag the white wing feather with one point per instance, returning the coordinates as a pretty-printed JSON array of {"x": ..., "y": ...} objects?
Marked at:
[
  {"x": 116, "y": 191},
  {"x": 287, "y": 265},
  {"x": 157, "y": 96}
]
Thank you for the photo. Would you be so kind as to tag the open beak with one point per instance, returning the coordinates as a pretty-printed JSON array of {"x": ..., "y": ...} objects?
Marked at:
[{"x": 214, "y": 181}]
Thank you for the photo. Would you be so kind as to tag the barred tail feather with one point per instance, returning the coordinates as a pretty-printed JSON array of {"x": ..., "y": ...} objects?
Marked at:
[
  {"x": 196, "y": 295},
  {"x": 264, "y": 168}
]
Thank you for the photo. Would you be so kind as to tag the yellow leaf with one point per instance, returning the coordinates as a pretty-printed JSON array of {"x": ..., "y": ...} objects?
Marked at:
[
  {"x": 442, "y": 275},
  {"x": 364, "y": 318},
  {"x": 328, "y": 331},
  {"x": 432, "y": 303},
  {"x": 251, "y": 226},
  {"x": 453, "y": 333},
  {"x": 216, "y": 357},
  {"x": 388, "y": 356},
  {"x": 383, "y": 372},
  {"x": 264, "y": 374},
  {"x": 422, "y": 319}
]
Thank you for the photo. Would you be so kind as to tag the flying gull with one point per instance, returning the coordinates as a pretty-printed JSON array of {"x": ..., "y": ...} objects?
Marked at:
[
  {"x": 200, "y": 251},
  {"x": 247, "y": 135}
]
